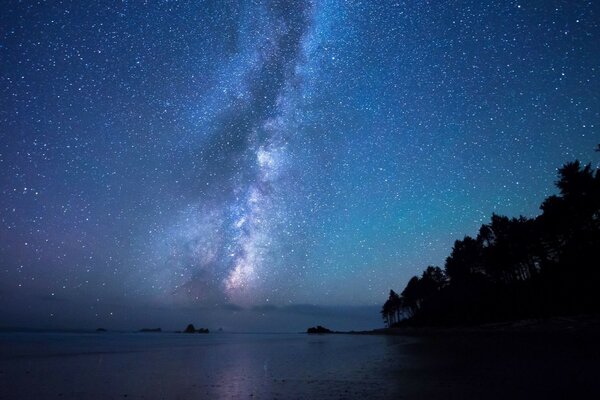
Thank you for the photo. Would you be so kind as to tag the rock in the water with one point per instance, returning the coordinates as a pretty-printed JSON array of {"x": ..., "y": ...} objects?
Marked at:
[
  {"x": 191, "y": 329},
  {"x": 318, "y": 329}
]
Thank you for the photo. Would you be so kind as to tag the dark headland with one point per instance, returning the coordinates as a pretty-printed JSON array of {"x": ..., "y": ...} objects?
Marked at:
[{"x": 516, "y": 273}]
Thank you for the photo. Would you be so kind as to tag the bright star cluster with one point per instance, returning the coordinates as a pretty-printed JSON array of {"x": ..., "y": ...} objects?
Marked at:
[{"x": 252, "y": 153}]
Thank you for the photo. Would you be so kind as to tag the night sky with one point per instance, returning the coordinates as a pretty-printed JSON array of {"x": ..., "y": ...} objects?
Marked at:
[{"x": 264, "y": 165}]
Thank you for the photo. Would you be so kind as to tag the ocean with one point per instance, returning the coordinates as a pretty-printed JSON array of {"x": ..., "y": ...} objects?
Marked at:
[
  {"x": 444, "y": 365},
  {"x": 195, "y": 366}
]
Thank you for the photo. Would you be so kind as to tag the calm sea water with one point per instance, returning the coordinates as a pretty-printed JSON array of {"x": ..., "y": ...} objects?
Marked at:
[
  {"x": 182, "y": 366},
  {"x": 459, "y": 365}
]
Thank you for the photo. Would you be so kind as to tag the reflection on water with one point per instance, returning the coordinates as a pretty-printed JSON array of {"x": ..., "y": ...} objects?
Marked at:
[
  {"x": 206, "y": 366},
  {"x": 298, "y": 366}
]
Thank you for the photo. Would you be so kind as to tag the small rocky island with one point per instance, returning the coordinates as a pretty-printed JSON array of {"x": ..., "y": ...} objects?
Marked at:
[
  {"x": 191, "y": 329},
  {"x": 318, "y": 329}
]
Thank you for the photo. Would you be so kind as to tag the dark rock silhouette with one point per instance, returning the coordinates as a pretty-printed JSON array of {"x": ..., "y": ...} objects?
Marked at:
[
  {"x": 100, "y": 330},
  {"x": 318, "y": 329},
  {"x": 191, "y": 329}
]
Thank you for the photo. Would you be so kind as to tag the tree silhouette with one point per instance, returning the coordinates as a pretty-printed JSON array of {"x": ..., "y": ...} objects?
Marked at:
[
  {"x": 516, "y": 267},
  {"x": 432, "y": 281},
  {"x": 392, "y": 309},
  {"x": 412, "y": 295},
  {"x": 466, "y": 260}
]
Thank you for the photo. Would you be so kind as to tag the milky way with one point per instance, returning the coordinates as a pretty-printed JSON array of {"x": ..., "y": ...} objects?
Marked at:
[{"x": 247, "y": 155}]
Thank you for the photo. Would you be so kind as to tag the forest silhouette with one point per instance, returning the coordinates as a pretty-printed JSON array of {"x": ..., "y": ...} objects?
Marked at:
[{"x": 515, "y": 268}]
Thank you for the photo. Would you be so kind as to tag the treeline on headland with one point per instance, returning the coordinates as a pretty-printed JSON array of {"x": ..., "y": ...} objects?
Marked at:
[{"x": 516, "y": 268}]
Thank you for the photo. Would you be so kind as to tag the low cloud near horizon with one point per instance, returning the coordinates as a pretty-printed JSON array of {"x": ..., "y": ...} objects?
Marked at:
[{"x": 62, "y": 313}]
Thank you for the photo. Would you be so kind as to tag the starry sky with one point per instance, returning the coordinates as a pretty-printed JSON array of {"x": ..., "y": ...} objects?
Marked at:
[{"x": 272, "y": 164}]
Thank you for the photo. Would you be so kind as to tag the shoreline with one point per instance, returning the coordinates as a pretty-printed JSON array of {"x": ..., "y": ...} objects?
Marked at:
[{"x": 571, "y": 324}]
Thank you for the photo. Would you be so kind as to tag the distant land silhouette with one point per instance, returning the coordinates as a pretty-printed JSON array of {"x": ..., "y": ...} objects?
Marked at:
[{"x": 515, "y": 268}]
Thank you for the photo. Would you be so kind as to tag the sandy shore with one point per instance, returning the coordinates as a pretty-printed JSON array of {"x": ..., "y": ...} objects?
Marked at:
[{"x": 502, "y": 365}]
